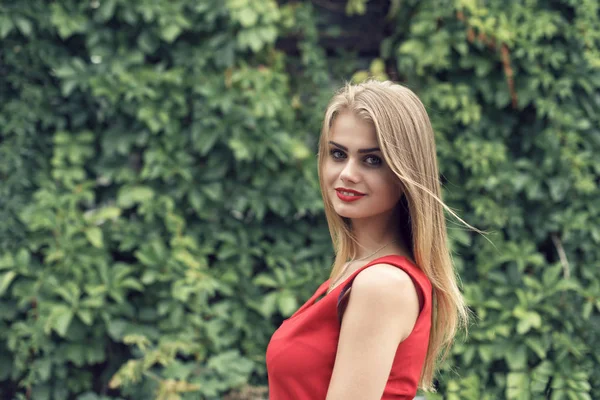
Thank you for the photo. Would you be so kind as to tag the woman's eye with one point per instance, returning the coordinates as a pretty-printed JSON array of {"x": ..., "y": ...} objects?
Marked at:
[
  {"x": 373, "y": 161},
  {"x": 336, "y": 154}
]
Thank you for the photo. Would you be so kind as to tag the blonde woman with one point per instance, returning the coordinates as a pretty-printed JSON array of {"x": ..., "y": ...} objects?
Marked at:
[{"x": 376, "y": 328}]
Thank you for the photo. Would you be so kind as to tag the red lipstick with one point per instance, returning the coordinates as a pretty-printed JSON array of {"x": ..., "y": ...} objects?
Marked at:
[{"x": 348, "y": 198}]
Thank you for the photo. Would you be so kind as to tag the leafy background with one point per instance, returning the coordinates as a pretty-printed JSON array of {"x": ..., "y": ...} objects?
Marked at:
[{"x": 159, "y": 200}]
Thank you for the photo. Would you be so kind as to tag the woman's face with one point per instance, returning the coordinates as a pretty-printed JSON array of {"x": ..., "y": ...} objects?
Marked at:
[{"x": 358, "y": 181}]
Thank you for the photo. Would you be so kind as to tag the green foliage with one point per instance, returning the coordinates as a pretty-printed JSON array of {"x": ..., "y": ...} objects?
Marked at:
[{"x": 160, "y": 203}]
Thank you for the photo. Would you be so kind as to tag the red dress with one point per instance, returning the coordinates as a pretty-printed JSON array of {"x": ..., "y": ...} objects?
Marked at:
[{"x": 301, "y": 353}]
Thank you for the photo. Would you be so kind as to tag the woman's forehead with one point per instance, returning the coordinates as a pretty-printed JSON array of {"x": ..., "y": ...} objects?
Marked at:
[{"x": 353, "y": 132}]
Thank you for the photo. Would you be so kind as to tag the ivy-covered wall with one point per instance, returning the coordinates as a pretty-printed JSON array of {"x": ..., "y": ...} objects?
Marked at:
[{"x": 159, "y": 205}]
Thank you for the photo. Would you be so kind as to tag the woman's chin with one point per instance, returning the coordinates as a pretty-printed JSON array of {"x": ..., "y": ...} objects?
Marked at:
[
  {"x": 348, "y": 209},
  {"x": 345, "y": 213}
]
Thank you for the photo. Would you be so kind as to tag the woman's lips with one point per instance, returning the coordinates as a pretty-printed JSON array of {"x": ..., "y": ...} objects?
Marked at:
[{"x": 348, "y": 197}]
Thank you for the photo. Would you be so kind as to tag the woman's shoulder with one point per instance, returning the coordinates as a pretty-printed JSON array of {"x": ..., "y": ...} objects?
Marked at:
[
  {"x": 392, "y": 280},
  {"x": 382, "y": 275},
  {"x": 383, "y": 292},
  {"x": 400, "y": 265},
  {"x": 383, "y": 282}
]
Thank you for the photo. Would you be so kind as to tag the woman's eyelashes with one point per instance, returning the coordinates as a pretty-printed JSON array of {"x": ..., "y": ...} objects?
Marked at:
[
  {"x": 370, "y": 159},
  {"x": 337, "y": 154},
  {"x": 374, "y": 160}
]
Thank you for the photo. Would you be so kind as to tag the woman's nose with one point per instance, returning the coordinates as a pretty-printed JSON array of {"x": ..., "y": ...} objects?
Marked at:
[{"x": 350, "y": 173}]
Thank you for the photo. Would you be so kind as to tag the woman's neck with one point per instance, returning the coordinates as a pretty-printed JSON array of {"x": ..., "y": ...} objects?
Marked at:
[{"x": 374, "y": 232}]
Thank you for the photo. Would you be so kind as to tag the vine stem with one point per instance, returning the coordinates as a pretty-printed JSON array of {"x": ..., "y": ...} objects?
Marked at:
[{"x": 562, "y": 255}]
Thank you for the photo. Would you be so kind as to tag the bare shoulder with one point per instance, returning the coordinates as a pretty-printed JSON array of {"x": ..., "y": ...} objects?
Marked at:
[
  {"x": 390, "y": 291},
  {"x": 383, "y": 280}
]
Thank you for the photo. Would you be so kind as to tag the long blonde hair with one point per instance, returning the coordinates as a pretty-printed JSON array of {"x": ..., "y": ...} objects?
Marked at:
[{"x": 407, "y": 143}]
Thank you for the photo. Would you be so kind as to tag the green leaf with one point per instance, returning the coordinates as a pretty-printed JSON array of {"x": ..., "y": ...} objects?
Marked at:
[
  {"x": 106, "y": 9},
  {"x": 146, "y": 258},
  {"x": 240, "y": 150},
  {"x": 516, "y": 358},
  {"x": 62, "y": 321},
  {"x": 213, "y": 191},
  {"x": 360, "y": 76},
  {"x": 265, "y": 280},
  {"x": 94, "y": 236},
  {"x": 131, "y": 283},
  {"x": 24, "y": 25},
  {"x": 129, "y": 196},
  {"x": 516, "y": 383},
  {"x": 248, "y": 17},
  {"x": 69, "y": 292},
  {"x": 100, "y": 215},
  {"x": 287, "y": 303},
  {"x": 170, "y": 32},
  {"x": 5, "y": 281},
  {"x": 537, "y": 347},
  {"x": 7, "y": 261},
  {"x": 86, "y": 317},
  {"x": 186, "y": 258},
  {"x": 23, "y": 258},
  {"x": 6, "y": 26},
  {"x": 41, "y": 392},
  {"x": 148, "y": 42},
  {"x": 44, "y": 368},
  {"x": 587, "y": 310},
  {"x": 67, "y": 22},
  {"x": 117, "y": 328}
]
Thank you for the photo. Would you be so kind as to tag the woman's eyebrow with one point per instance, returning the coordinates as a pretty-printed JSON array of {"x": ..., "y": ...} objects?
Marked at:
[{"x": 369, "y": 150}]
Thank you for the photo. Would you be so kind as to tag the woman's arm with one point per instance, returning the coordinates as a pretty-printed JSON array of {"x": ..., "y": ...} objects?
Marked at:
[{"x": 381, "y": 312}]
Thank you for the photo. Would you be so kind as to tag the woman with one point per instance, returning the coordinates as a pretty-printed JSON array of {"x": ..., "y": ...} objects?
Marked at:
[{"x": 376, "y": 328}]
